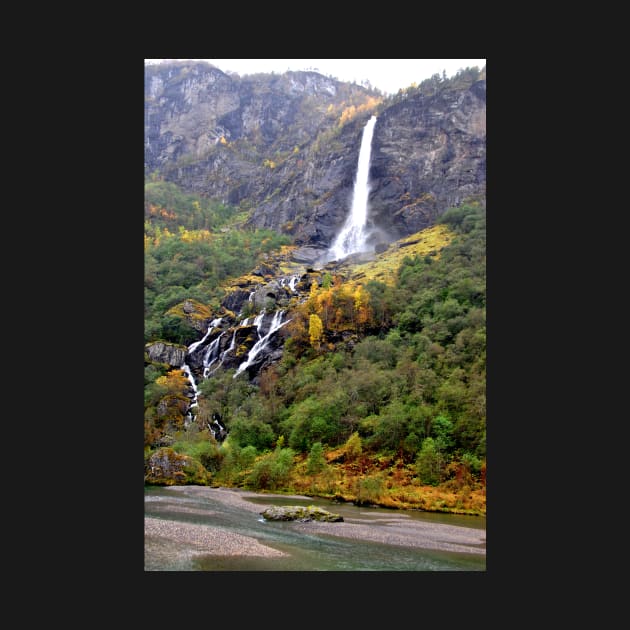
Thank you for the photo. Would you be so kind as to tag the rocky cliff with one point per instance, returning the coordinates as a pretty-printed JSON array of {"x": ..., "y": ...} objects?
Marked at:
[{"x": 285, "y": 147}]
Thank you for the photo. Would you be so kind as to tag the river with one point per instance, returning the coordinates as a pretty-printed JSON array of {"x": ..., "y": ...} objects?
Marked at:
[{"x": 194, "y": 528}]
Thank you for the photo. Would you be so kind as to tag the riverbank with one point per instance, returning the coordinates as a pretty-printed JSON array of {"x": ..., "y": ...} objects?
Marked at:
[{"x": 397, "y": 529}]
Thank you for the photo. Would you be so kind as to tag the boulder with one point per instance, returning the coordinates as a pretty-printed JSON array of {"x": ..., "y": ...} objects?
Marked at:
[{"x": 300, "y": 513}]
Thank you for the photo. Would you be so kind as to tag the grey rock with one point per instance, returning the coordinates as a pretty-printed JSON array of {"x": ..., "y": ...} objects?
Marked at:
[
  {"x": 300, "y": 513},
  {"x": 162, "y": 352}
]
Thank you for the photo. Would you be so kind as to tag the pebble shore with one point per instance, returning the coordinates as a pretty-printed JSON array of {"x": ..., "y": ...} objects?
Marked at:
[{"x": 393, "y": 530}]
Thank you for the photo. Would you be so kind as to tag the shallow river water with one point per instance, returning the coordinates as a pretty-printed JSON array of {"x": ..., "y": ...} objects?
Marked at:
[{"x": 403, "y": 540}]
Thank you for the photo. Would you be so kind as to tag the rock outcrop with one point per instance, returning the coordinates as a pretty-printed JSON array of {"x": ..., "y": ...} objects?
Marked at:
[
  {"x": 167, "y": 468},
  {"x": 300, "y": 513},
  {"x": 169, "y": 353}
]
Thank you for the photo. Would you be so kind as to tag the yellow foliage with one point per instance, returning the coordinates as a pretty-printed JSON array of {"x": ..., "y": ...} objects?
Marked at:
[
  {"x": 383, "y": 267},
  {"x": 324, "y": 305},
  {"x": 315, "y": 330},
  {"x": 361, "y": 305},
  {"x": 347, "y": 114},
  {"x": 174, "y": 381},
  {"x": 352, "y": 111},
  {"x": 189, "y": 236}
]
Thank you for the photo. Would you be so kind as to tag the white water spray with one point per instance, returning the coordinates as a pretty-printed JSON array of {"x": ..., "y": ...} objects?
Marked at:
[
  {"x": 276, "y": 324},
  {"x": 213, "y": 324},
  {"x": 352, "y": 236}
]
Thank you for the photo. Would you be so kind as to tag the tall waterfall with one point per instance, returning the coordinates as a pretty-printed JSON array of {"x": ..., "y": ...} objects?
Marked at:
[{"x": 352, "y": 236}]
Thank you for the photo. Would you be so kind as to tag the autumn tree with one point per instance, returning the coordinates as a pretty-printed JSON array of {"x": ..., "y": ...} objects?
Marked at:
[
  {"x": 323, "y": 305},
  {"x": 361, "y": 307},
  {"x": 315, "y": 331}
]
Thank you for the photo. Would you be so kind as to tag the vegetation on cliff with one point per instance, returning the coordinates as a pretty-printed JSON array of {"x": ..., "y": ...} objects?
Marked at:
[
  {"x": 380, "y": 393},
  {"x": 191, "y": 247}
]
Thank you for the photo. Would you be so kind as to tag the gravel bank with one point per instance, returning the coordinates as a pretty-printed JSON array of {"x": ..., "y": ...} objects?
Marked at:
[
  {"x": 208, "y": 540},
  {"x": 397, "y": 529}
]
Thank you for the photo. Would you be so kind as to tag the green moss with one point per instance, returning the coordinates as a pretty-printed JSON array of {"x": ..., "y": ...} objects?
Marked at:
[
  {"x": 201, "y": 312},
  {"x": 383, "y": 268}
]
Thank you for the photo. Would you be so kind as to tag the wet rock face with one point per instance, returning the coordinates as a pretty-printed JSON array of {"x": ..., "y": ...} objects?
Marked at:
[
  {"x": 300, "y": 513},
  {"x": 248, "y": 331}
]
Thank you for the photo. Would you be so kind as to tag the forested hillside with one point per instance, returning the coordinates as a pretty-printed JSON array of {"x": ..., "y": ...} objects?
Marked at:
[{"x": 375, "y": 389}]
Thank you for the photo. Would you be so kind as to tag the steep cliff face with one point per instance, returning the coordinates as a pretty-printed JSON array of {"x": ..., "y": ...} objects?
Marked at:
[
  {"x": 223, "y": 136},
  {"x": 184, "y": 106},
  {"x": 429, "y": 153},
  {"x": 285, "y": 148},
  {"x": 168, "y": 353}
]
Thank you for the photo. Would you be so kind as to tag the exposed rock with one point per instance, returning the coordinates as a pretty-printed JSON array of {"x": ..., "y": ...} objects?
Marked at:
[
  {"x": 300, "y": 513},
  {"x": 263, "y": 270},
  {"x": 308, "y": 254},
  {"x": 428, "y": 154},
  {"x": 267, "y": 296},
  {"x": 169, "y": 353},
  {"x": 235, "y": 300},
  {"x": 221, "y": 135},
  {"x": 166, "y": 467},
  {"x": 196, "y": 314}
]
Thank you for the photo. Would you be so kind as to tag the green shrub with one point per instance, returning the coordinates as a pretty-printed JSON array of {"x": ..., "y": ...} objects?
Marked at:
[
  {"x": 316, "y": 461},
  {"x": 429, "y": 464},
  {"x": 271, "y": 471}
]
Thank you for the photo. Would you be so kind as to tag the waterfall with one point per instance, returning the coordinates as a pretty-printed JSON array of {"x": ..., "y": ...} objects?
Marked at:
[
  {"x": 352, "y": 236},
  {"x": 213, "y": 324},
  {"x": 186, "y": 368},
  {"x": 212, "y": 359},
  {"x": 258, "y": 322},
  {"x": 194, "y": 403},
  {"x": 223, "y": 355},
  {"x": 294, "y": 279},
  {"x": 290, "y": 282},
  {"x": 211, "y": 355},
  {"x": 276, "y": 324}
]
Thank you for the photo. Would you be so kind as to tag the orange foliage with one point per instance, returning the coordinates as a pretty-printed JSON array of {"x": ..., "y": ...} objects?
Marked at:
[
  {"x": 350, "y": 112},
  {"x": 155, "y": 211},
  {"x": 175, "y": 382}
]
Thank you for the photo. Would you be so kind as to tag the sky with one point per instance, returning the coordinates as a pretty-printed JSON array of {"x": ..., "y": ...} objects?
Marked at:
[{"x": 388, "y": 75}]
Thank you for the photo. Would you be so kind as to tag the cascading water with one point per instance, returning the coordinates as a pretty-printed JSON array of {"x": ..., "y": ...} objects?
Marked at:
[
  {"x": 187, "y": 371},
  {"x": 213, "y": 324},
  {"x": 352, "y": 237},
  {"x": 206, "y": 356},
  {"x": 276, "y": 324},
  {"x": 211, "y": 355}
]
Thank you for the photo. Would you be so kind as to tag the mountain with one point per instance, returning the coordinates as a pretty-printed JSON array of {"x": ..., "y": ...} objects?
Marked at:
[
  {"x": 271, "y": 364},
  {"x": 284, "y": 147}
]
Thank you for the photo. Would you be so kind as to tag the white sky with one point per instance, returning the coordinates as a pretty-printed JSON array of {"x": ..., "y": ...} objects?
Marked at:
[{"x": 388, "y": 75}]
